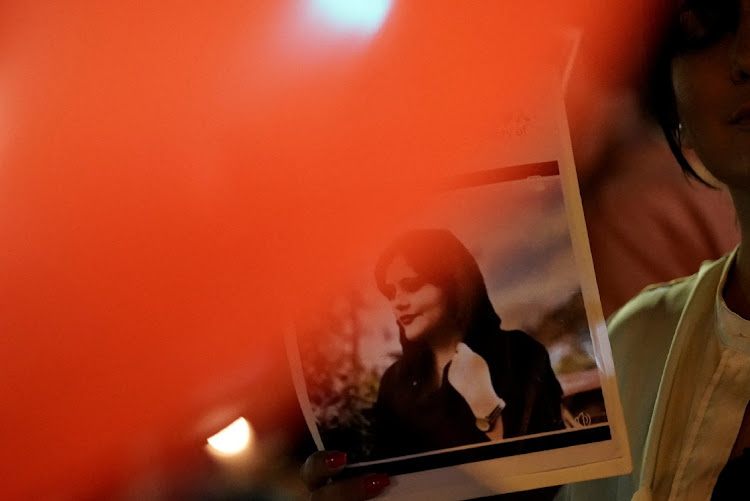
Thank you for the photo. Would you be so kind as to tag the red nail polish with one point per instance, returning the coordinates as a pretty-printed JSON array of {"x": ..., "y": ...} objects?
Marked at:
[
  {"x": 336, "y": 460},
  {"x": 375, "y": 483}
]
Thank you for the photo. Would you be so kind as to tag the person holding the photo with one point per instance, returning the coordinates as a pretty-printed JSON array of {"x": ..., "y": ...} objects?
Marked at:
[
  {"x": 461, "y": 379},
  {"x": 681, "y": 349}
]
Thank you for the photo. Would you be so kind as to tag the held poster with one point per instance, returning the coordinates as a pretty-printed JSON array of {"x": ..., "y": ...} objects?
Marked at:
[{"x": 469, "y": 356}]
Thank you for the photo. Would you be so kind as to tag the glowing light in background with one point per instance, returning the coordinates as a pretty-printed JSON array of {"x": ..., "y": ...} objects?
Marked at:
[
  {"x": 233, "y": 439},
  {"x": 364, "y": 16}
]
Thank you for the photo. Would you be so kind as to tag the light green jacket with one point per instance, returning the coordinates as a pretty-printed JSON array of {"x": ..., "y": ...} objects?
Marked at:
[{"x": 683, "y": 369}]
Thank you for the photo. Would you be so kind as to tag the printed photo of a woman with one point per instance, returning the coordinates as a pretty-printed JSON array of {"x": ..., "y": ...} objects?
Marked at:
[
  {"x": 406, "y": 364},
  {"x": 461, "y": 379}
]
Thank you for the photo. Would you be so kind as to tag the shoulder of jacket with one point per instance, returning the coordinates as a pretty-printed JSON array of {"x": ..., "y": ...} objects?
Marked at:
[
  {"x": 651, "y": 318},
  {"x": 668, "y": 298},
  {"x": 658, "y": 301}
]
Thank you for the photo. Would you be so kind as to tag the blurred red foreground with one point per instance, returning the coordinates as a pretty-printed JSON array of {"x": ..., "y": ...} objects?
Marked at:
[{"x": 177, "y": 180}]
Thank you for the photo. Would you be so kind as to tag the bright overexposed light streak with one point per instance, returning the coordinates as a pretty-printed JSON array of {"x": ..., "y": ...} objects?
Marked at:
[
  {"x": 233, "y": 439},
  {"x": 365, "y": 16}
]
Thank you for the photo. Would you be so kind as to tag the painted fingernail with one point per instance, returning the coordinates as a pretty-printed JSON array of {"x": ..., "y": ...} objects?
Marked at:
[
  {"x": 375, "y": 483},
  {"x": 336, "y": 460}
]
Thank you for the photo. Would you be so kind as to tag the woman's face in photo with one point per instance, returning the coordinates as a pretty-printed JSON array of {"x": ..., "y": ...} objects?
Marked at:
[
  {"x": 420, "y": 308},
  {"x": 712, "y": 91}
]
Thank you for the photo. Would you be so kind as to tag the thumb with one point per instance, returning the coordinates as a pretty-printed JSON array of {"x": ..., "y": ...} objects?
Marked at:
[
  {"x": 463, "y": 353},
  {"x": 462, "y": 349},
  {"x": 462, "y": 360}
]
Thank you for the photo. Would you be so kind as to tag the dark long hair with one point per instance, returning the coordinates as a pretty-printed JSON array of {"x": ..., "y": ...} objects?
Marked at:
[{"x": 439, "y": 258}]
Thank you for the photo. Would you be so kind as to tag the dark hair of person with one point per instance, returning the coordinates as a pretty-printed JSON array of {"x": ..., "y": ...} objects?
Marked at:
[
  {"x": 439, "y": 258},
  {"x": 681, "y": 27}
]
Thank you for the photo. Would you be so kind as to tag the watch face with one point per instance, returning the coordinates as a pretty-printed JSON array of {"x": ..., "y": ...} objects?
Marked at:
[{"x": 483, "y": 424}]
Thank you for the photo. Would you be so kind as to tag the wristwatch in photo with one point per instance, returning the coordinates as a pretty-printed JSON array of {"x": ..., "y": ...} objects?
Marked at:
[{"x": 487, "y": 423}]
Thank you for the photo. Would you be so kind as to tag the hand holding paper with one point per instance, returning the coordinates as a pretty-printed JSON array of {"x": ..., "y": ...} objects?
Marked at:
[{"x": 318, "y": 474}]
